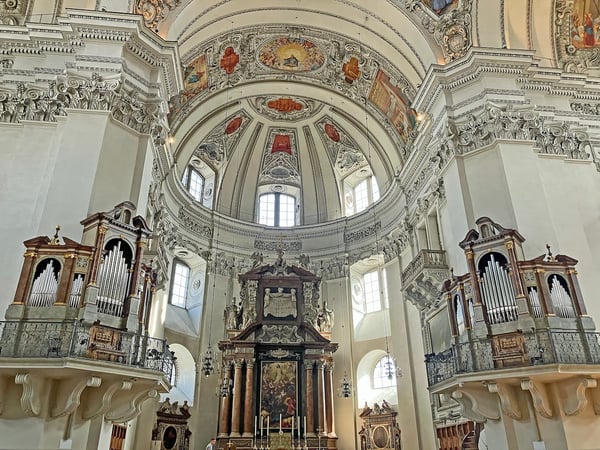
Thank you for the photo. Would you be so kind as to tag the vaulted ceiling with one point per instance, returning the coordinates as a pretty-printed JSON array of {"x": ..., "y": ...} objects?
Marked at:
[{"x": 304, "y": 95}]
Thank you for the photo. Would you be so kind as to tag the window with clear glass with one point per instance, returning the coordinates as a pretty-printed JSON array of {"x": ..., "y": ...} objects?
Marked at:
[
  {"x": 277, "y": 210},
  {"x": 193, "y": 181},
  {"x": 360, "y": 196},
  {"x": 179, "y": 284},
  {"x": 384, "y": 373},
  {"x": 372, "y": 292}
]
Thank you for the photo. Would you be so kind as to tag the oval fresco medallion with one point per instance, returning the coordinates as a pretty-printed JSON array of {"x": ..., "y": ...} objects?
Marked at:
[{"x": 291, "y": 55}]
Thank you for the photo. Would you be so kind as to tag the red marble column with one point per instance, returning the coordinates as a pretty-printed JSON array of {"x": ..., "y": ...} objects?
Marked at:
[
  {"x": 237, "y": 399},
  {"x": 310, "y": 406},
  {"x": 248, "y": 404},
  {"x": 321, "y": 397},
  {"x": 225, "y": 404},
  {"x": 329, "y": 399}
]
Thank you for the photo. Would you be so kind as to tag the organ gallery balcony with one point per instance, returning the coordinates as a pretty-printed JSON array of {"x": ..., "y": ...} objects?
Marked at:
[
  {"x": 423, "y": 277},
  {"x": 53, "y": 366}
]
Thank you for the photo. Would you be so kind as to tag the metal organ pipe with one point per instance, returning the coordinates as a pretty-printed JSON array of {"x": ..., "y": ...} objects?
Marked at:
[{"x": 44, "y": 287}]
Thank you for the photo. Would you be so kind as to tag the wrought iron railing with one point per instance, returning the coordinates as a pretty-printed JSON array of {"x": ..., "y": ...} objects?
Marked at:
[
  {"x": 542, "y": 347},
  {"x": 74, "y": 339},
  {"x": 425, "y": 259}
]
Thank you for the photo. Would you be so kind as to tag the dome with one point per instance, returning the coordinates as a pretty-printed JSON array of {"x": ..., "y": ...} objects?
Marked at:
[{"x": 310, "y": 113}]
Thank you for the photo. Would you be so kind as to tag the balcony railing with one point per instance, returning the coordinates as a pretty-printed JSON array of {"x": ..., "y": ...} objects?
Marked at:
[
  {"x": 425, "y": 259},
  {"x": 74, "y": 339},
  {"x": 543, "y": 347}
]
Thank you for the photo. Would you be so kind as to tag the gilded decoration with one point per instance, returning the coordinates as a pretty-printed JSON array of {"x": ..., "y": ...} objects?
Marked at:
[
  {"x": 291, "y": 55},
  {"x": 155, "y": 11},
  {"x": 388, "y": 98}
]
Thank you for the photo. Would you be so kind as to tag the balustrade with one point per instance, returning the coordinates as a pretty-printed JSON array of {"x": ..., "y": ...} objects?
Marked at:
[{"x": 31, "y": 339}]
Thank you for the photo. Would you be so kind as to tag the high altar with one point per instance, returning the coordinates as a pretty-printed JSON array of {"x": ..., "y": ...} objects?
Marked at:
[{"x": 277, "y": 378}]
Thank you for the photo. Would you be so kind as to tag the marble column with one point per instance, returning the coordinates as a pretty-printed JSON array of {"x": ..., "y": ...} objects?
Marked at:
[
  {"x": 236, "y": 414},
  {"x": 225, "y": 403},
  {"x": 321, "y": 397},
  {"x": 310, "y": 407},
  {"x": 329, "y": 399},
  {"x": 248, "y": 404}
]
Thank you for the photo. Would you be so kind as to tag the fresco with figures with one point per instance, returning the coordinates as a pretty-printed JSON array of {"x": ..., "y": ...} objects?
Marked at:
[
  {"x": 441, "y": 6},
  {"x": 585, "y": 24},
  {"x": 391, "y": 102},
  {"x": 278, "y": 392},
  {"x": 291, "y": 55},
  {"x": 195, "y": 77}
]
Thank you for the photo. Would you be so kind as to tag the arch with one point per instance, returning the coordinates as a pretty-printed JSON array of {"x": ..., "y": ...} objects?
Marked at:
[
  {"x": 184, "y": 384},
  {"x": 365, "y": 392}
]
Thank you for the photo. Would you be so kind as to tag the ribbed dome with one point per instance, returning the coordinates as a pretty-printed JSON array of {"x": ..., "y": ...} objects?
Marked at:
[{"x": 275, "y": 110}]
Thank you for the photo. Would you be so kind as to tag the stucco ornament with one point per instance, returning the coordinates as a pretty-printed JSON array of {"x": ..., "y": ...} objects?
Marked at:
[
  {"x": 155, "y": 11},
  {"x": 450, "y": 29}
]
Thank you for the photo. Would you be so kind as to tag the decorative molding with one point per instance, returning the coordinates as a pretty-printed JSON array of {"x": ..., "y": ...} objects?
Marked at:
[
  {"x": 279, "y": 334},
  {"x": 509, "y": 401},
  {"x": 539, "y": 394},
  {"x": 573, "y": 394},
  {"x": 451, "y": 29},
  {"x": 592, "y": 109},
  {"x": 33, "y": 387},
  {"x": 193, "y": 224},
  {"x": 280, "y": 166},
  {"x": 273, "y": 245},
  {"x": 505, "y": 122},
  {"x": 155, "y": 12},
  {"x": 68, "y": 395},
  {"x": 351, "y": 236}
]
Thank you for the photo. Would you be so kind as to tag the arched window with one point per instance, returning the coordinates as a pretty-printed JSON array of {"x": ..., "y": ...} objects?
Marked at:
[
  {"x": 193, "y": 181},
  {"x": 359, "y": 195},
  {"x": 277, "y": 210},
  {"x": 384, "y": 373},
  {"x": 180, "y": 281}
]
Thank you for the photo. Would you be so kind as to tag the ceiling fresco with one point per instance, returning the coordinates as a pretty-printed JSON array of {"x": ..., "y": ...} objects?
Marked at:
[
  {"x": 291, "y": 54},
  {"x": 319, "y": 58}
]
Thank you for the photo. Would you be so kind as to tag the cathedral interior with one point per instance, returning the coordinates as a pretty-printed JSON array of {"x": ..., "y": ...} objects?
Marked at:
[{"x": 299, "y": 224}]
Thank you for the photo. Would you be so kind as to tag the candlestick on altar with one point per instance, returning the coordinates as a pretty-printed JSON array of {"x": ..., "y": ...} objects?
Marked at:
[
  {"x": 292, "y": 428},
  {"x": 280, "y": 432}
]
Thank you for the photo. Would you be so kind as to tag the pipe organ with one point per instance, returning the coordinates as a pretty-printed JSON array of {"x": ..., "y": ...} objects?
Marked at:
[
  {"x": 102, "y": 279},
  {"x": 506, "y": 298}
]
